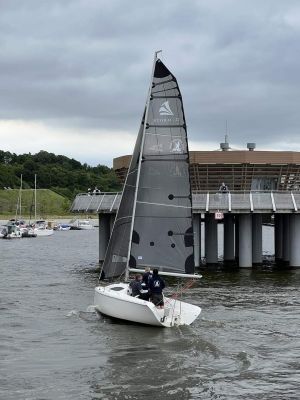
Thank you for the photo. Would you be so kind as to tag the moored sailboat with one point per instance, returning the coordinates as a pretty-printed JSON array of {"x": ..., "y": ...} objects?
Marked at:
[
  {"x": 153, "y": 226},
  {"x": 40, "y": 227}
]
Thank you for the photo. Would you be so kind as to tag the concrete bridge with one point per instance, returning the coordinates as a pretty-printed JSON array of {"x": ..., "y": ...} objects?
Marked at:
[{"x": 241, "y": 214}]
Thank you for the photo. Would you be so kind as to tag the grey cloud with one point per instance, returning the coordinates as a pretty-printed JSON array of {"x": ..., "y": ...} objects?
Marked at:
[{"x": 87, "y": 64}]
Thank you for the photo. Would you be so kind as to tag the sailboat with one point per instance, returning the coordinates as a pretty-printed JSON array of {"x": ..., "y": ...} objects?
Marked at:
[
  {"x": 16, "y": 228},
  {"x": 153, "y": 227},
  {"x": 24, "y": 229},
  {"x": 41, "y": 227}
]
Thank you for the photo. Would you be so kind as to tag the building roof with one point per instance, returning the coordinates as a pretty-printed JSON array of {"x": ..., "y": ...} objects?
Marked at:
[
  {"x": 239, "y": 169},
  {"x": 230, "y": 157}
]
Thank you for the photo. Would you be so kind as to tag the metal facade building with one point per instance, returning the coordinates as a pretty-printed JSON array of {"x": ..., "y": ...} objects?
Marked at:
[{"x": 240, "y": 170}]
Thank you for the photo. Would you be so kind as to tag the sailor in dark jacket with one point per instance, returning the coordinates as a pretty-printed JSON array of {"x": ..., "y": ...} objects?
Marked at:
[
  {"x": 137, "y": 289},
  {"x": 146, "y": 277},
  {"x": 156, "y": 286}
]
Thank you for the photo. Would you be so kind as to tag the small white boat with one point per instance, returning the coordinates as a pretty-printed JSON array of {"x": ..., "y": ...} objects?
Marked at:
[
  {"x": 27, "y": 232},
  {"x": 115, "y": 301},
  {"x": 41, "y": 228},
  {"x": 154, "y": 225},
  {"x": 63, "y": 227},
  {"x": 79, "y": 224},
  {"x": 11, "y": 231}
]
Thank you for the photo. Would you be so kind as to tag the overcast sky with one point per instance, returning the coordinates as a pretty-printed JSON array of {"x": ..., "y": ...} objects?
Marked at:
[{"x": 74, "y": 74}]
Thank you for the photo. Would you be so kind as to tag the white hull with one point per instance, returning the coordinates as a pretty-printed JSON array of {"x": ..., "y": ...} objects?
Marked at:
[
  {"x": 86, "y": 227},
  {"x": 63, "y": 228},
  {"x": 81, "y": 224},
  {"x": 12, "y": 236},
  {"x": 43, "y": 232},
  {"x": 119, "y": 304}
]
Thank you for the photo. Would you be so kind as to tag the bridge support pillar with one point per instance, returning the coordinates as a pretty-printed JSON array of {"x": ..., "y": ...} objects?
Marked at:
[
  {"x": 245, "y": 240},
  {"x": 278, "y": 236},
  {"x": 197, "y": 238},
  {"x": 104, "y": 234},
  {"x": 229, "y": 255},
  {"x": 236, "y": 238},
  {"x": 286, "y": 238},
  {"x": 294, "y": 240},
  {"x": 256, "y": 238},
  {"x": 211, "y": 239}
]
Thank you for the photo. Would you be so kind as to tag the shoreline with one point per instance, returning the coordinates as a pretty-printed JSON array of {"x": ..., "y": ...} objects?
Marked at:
[{"x": 53, "y": 218}]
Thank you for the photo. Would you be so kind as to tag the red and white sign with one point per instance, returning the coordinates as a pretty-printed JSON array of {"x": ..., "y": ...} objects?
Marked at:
[{"x": 219, "y": 215}]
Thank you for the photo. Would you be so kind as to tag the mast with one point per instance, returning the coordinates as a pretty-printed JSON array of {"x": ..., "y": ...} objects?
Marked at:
[
  {"x": 139, "y": 164},
  {"x": 21, "y": 196},
  {"x": 19, "y": 202},
  {"x": 35, "y": 197}
]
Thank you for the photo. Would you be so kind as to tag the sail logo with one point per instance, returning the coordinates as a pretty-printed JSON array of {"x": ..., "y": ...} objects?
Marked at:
[
  {"x": 156, "y": 148},
  {"x": 176, "y": 146},
  {"x": 165, "y": 109}
]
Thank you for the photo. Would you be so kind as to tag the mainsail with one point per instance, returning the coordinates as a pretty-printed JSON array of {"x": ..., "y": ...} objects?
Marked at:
[{"x": 153, "y": 226}]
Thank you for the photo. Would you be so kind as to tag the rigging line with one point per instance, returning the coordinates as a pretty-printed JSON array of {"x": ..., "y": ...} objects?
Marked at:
[
  {"x": 180, "y": 289},
  {"x": 160, "y": 204}
]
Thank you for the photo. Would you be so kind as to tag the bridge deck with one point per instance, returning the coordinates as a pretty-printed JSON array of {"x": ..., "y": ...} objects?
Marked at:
[{"x": 232, "y": 202}]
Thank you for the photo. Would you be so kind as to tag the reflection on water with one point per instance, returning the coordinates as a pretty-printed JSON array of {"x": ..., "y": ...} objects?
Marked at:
[{"x": 244, "y": 345}]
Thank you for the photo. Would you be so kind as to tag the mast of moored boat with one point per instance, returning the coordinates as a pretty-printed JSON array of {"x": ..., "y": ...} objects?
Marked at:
[
  {"x": 35, "y": 197},
  {"x": 139, "y": 165},
  {"x": 19, "y": 202}
]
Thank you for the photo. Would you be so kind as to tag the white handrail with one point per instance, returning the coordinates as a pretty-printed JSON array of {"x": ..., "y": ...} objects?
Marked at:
[
  {"x": 273, "y": 202},
  {"x": 251, "y": 202},
  {"x": 294, "y": 201},
  {"x": 207, "y": 202}
]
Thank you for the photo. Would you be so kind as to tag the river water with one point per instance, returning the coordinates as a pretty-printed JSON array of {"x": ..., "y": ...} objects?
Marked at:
[{"x": 244, "y": 345}]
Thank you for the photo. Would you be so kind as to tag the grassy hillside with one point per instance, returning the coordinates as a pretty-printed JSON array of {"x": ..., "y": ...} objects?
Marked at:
[
  {"x": 55, "y": 172},
  {"x": 48, "y": 203}
]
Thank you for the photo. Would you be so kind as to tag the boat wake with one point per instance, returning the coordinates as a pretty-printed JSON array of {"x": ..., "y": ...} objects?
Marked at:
[{"x": 82, "y": 314}]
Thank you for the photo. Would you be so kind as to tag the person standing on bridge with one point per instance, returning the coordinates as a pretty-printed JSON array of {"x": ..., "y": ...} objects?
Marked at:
[{"x": 223, "y": 188}]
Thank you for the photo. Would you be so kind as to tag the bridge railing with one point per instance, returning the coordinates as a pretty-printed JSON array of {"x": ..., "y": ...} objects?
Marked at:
[
  {"x": 254, "y": 200},
  {"x": 203, "y": 201},
  {"x": 98, "y": 202}
]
